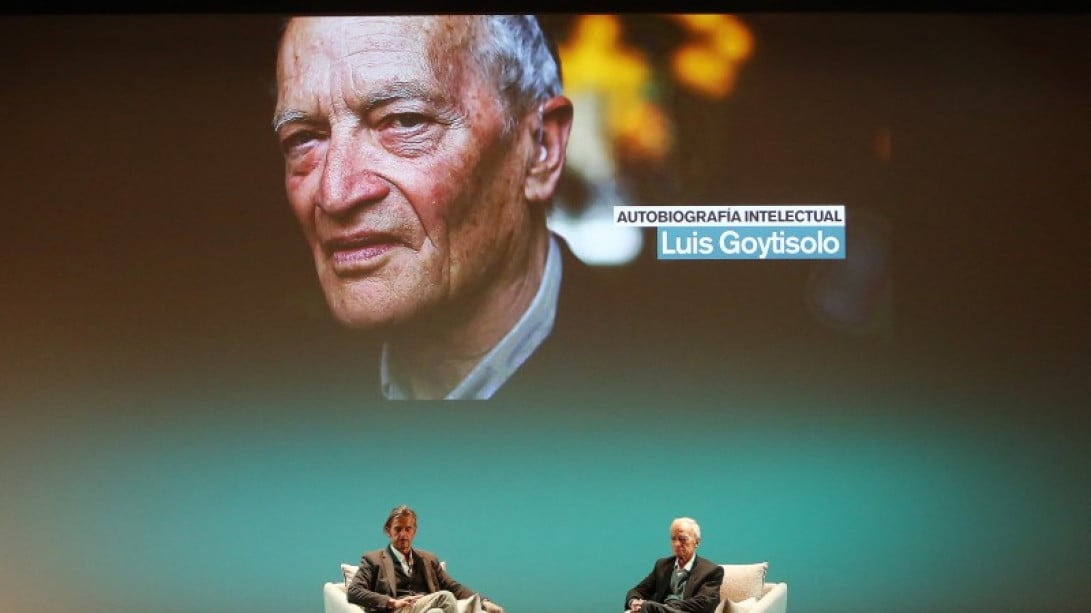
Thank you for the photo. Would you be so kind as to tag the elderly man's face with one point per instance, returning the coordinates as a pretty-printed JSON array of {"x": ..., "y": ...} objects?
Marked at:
[
  {"x": 683, "y": 541},
  {"x": 397, "y": 166}
]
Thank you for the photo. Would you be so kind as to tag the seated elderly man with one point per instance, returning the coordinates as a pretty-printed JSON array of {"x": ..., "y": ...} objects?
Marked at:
[
  {"x": 421, "y": 154},
  {"x": 681, "y": 582},
  {"x": 401, "y": 578}
]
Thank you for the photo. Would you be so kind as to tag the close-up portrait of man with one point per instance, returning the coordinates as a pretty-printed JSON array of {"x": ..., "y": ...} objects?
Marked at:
[{"x": 420, "y": 155}]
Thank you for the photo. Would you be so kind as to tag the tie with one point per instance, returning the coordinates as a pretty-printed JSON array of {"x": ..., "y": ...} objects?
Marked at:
[{"x": 678, "y": 579}]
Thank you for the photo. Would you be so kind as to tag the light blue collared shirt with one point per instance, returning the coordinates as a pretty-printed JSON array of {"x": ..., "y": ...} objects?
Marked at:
[{"x": 501, "y": 362}]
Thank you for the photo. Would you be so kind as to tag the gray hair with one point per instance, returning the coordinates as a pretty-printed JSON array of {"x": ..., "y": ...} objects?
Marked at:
[
  {"x": 692, "y": 523},
  {"x": 514, "y": 52}
]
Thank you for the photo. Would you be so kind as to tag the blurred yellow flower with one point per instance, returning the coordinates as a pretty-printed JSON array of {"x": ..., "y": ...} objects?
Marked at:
[
  {"x": 594, "y": 59},
  {"x": 596, "y": 62},
  {"x": 708, "y": 64},
  {"x": 643, "y": 131},
  {"x": 702, "y": 70}
]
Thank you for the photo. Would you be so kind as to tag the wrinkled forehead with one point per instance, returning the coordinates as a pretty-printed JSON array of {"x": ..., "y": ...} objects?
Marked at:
[
  {"x": 438, "y": 41},
  {"x": 309, "y": 35}
]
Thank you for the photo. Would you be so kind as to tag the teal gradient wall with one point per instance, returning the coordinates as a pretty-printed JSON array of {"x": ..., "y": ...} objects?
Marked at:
[
  {"x": 199, "y": 503},
  {"x": 181, "y": 430}
]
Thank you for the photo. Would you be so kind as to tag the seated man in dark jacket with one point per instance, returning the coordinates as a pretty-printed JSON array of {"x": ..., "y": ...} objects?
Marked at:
[
  {"x": 400, "y": 578},
  {"x": 682, "y": 582}
]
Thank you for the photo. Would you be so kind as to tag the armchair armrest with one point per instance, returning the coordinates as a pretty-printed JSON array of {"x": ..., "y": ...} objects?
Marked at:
[
  {"x": 337, "y": 600},
  {"x": 774, "y": 599}
]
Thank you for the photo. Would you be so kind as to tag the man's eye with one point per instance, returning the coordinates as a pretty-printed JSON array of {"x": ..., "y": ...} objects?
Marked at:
[
  {"x": 406, "y": 121},
  {"x": 297, "y": 140},
  {"x": 409, "y": 134}
]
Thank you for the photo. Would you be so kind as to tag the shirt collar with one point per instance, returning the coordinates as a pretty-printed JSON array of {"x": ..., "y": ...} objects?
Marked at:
[
  {"x": 689, "y": 565},
  {"x": 501, "y": 362},
  {"x": 407, "y": 564}
]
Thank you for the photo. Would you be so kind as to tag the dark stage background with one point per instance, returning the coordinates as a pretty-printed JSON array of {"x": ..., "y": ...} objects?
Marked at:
[{"x": 180, "y": 431}]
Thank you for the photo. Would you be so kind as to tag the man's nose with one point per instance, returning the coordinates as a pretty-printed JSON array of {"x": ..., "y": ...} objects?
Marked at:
[{"x": 348, "y": 176}]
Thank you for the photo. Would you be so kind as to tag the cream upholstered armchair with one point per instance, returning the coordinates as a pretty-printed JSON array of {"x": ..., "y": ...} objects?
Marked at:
[
  {"x": 745, "y": 590},
  {"x": 335, "y": 593},
  {"x": 336, "y": 598}
]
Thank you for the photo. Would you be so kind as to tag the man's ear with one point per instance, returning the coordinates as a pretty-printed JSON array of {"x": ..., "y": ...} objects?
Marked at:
[{"x": 547, "y": 160}]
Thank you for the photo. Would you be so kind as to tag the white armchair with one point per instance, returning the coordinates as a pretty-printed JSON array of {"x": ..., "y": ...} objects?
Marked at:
[
  {"x": 774, "y": 599},
  {"x": 745, "y": 590},
  {"x": 335, "y": 593},
  {"x": 336, "y": 598}
]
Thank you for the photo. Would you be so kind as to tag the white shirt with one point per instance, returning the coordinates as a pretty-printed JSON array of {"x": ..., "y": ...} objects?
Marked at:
[
  {"x": 501, "y": 362},
  {"x": 689, "y": 565},
  {"x": 407, "y": 565}
]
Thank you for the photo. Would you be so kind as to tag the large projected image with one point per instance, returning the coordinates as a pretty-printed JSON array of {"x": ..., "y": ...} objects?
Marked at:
[
  {"x": 445, "y": 217},
  {"x": 242, "y": 250}
]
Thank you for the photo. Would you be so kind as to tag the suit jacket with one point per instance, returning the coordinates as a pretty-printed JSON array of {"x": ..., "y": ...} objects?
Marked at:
[
  {"x": 604, "y": 343},
  {"x": 644, "y": 335},
  {"x": 702, "y": 592},
  {"x": 376, "y": 583}
]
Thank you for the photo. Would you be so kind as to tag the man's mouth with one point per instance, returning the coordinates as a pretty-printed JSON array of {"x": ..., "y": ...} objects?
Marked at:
[{"x": 357, "y": 253}]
